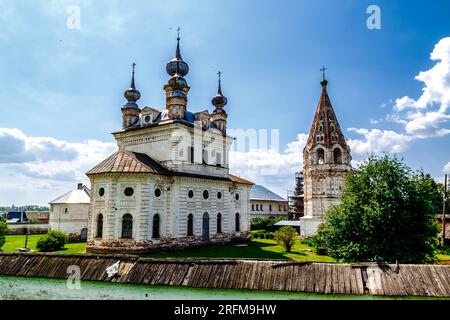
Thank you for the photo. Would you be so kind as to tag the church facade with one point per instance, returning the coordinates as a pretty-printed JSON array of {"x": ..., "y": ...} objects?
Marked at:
[
  {"x": 168, "y": 186},
  {"x": 326, "y": 161}
]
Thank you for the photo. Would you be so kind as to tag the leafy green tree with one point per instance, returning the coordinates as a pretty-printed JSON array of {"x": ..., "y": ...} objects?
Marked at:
[
  {"x": 3, "y": 232},
  {"x": 286, "y": 237},
  {"x": 267, "y": 224},
  {"x": 53, "y": 241},
  {"x": 386, "y": 210}
]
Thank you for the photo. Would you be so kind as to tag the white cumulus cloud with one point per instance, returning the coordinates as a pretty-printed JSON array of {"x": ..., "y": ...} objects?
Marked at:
[
  {"x": 39, "y": 168},
  {"x": 428, "y": 115},
  {"x": 272, "y": 168}
]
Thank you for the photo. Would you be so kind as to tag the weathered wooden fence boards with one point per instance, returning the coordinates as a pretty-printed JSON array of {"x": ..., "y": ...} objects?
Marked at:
[{"x": 326, "y": 278}]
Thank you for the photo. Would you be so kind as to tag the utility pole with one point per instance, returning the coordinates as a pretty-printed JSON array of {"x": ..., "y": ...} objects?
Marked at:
[{"x": 444, "y": 206}]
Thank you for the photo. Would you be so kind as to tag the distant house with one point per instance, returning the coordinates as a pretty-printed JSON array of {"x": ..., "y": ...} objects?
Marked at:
[
  {"x": 265, "y": 203},
  {"x": 69, "y": 213},
  {"x": 38, "y": 216},
  {"x": 16, "y": 217}
]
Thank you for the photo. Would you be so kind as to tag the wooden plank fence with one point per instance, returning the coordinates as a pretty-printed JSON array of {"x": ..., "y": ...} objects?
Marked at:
[{"x": 324, "y": 278}]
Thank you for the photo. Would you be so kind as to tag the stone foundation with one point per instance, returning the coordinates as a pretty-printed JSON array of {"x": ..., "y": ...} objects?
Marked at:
[{"x": 130, "y": 246}]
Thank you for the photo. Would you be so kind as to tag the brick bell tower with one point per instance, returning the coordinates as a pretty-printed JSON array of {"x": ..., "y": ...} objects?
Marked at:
[{"x": 326, "y": 160}]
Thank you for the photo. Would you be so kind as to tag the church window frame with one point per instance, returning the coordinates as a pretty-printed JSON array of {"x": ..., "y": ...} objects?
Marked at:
[
  {"x": 128, "y": 191},
  {"x": 101, "y": 192},
  {"x": 206, "y": 194},
  {"x": 158, "y": 192},
  {"x": 191, "y": 154},
  {"x": 219, "y": 195},
  {"x": 99, "y": 231},
  {"x": 320, "y": 156},
  {"x": 237, "y": 222},
  {"x": 190, "y": 225},
  {"x": 219, "y": 223},
  {"x": 191, "y": 194},
  {"x": 337, "y": 156},
  {"x": 156, "y": 226},
  {"x": 127, "y": 226}
]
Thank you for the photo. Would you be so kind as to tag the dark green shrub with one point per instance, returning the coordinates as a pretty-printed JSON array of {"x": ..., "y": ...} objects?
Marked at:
[
  {"x": 311, "y": 242},
  {"x": 270, "y": 236},
  {"x": 286, "y": 237},
  {"x": 3, "y": 231},
  {"x": 53, "y": 241}
]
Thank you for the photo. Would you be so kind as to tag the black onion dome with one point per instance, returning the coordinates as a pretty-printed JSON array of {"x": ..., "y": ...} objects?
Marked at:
[
  {"x": 177, "y": 65},
  {"x": 131, "y": 94},
  {"x": 219, "y": 100}
]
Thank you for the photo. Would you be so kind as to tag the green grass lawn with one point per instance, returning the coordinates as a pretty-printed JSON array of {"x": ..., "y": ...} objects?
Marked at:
[
  {"x": 14, "y": 242},
  {"x": 256, "y": 249}
]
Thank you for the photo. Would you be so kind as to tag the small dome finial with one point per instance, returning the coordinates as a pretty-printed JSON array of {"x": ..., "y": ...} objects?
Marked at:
[
  {"x": 219, "y": 74},
  {"x": 178, "y": 52},
  {"x": 177, "y": 65},
  {"x": 219, "y": 100},
  {"x": 132, "y": 77},
  {"x": 132, "y": 94}
]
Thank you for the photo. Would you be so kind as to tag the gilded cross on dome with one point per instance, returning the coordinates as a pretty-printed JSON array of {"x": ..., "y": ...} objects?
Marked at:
[{"x": 323, "y": 72}]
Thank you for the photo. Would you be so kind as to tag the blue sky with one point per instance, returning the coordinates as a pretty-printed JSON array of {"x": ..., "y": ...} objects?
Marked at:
[{"x": 62, "y": 89}]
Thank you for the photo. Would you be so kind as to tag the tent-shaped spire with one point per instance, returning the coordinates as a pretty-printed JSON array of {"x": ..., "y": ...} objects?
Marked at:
[{"x": 325, "y": 129}]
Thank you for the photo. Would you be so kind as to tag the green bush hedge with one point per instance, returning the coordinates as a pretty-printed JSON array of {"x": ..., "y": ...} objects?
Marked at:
[
  {"x": 53, "y": 241},
  {"x": 3, "y": 232},
  {"x": 263, "y": 235}
]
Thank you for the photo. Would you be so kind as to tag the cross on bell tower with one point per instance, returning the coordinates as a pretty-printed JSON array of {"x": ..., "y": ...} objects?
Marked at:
[{"x": 323, "y": 72}]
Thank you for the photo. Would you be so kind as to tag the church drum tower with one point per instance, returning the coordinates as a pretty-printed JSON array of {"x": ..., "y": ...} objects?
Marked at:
[{"x": 326, "y": 160}]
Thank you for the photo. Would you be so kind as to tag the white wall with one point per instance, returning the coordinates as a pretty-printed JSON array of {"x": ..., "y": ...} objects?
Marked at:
[
  {"x": 70, "y": 222},
  {"x": 173, "y": 206}
]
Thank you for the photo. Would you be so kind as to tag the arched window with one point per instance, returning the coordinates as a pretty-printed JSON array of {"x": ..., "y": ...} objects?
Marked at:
[
  {"x": 320, "y": 156},
  {"x": 219, "y": 223},
  {"x": 156, "y": 226},
  {"x": 337, "y": 155},
  {"x": 99, "y": 226},
  {"x": 127, "y": 226},
  {"x": 190, "y": 225},
  {"x": 205, "y": 231},
  {"x": 238, "y": 222}
]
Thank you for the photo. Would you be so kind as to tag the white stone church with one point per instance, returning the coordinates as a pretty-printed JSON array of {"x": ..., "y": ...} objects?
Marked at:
[{"x": 168, "y": 187}]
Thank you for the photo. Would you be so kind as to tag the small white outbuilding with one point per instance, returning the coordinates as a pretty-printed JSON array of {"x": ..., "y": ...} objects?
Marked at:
[{"x": 69, "y": 213}]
